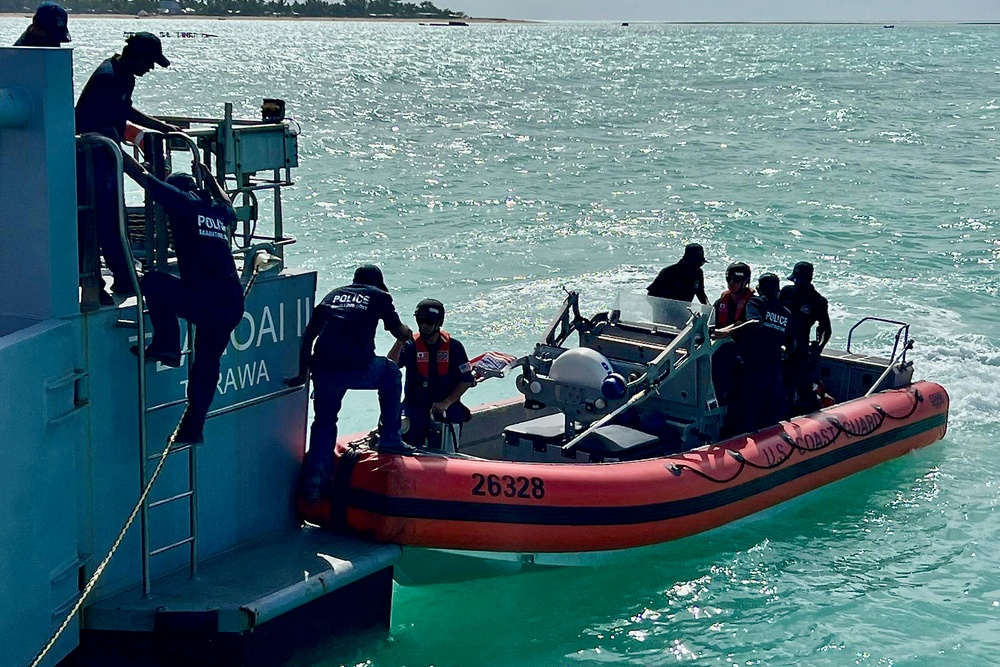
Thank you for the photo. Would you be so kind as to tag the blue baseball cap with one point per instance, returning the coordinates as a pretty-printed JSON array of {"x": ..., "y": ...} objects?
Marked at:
[{"x": 53, "y": 19}]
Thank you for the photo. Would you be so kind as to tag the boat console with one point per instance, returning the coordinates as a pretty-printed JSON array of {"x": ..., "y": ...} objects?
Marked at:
[{"x": 638, "y": 385}]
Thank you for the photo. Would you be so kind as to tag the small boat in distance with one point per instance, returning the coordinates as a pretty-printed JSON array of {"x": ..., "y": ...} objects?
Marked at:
[
  {"x": 448, "y": 24},
  {"x": 617, "y": 446},
  {"x": 889, "y": 26}
]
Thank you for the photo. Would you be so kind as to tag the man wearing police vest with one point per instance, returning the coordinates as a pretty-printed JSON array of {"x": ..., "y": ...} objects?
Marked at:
[
  {"x": 338, "y": 351},
  {"x": 761, "y": 392},
  {"x": 207, "y": 291},
  {"x": 438, "y": 373}
]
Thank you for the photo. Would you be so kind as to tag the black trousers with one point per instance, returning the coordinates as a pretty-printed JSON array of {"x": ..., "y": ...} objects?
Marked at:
[
  {"x": 215, "y": 310},
  {"x": 107, "y": 201},
  {"x": 800, "y": 370}
]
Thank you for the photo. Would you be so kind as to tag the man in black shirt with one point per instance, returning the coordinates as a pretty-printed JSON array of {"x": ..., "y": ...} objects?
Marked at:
[
  {"x": 48, "y": 27},
  {"x": 684, "y": 280},
  {"x": 762, "y": 346},
  {"x": 105, "y": 105},
  {"x": 808, "y": 308},
  {"x": 438, "y": 373},
  {"x": 338, "y": 349},
  {"x": 207, "y": 292}
]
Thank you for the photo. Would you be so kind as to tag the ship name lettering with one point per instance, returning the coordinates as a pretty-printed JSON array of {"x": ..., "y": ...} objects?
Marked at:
[{"x": 243, "y": 376}]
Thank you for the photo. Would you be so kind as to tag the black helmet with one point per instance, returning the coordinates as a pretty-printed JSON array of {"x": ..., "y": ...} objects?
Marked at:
[
  {"x": 183, "y": 182},
  {"x": 738, "y": 271},
  {"x": 430, "y": 309}
]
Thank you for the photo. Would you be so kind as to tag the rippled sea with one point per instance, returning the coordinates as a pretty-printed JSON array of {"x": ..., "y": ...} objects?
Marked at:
[{"x": 492, "y": 166}]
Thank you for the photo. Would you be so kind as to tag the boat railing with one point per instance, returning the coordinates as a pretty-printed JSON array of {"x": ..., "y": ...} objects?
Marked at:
[
  {"x": 901, "y": 343},
  {"x": 249, "y": 158}
]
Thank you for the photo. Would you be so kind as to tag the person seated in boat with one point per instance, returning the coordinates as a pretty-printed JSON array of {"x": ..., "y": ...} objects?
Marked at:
[
  {"x": 105, "y": 105},
  {"x": 684, "y": 280},
  {"x": 759, "y": 393},
  {"x": 730, "y": 310},
  {"x": 808, "y": 308},
  {"x": 438, "y": 373},
  {"x": 338, "y": 351},
  {"x": 48, "y": 27},
  {"x": 207, "y": 291}
]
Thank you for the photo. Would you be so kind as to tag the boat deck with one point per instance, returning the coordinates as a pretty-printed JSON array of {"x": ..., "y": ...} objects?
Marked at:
[
  {"x": 254, "y": 606},
  {"x": 244, "y": 588}
]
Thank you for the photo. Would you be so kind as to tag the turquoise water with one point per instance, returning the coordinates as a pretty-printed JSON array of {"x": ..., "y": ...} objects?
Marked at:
[{"x": 494, "y": 165}]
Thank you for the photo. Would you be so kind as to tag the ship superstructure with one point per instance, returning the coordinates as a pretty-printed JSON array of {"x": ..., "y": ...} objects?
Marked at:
[{"x": 216, "y": 550}]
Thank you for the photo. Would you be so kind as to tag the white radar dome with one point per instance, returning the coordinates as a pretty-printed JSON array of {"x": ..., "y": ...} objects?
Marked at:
[{"x": 582, "y": 366}]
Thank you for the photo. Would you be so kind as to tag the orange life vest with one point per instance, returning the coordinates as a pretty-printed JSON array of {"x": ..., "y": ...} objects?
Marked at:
[
  {"x": 423, "y": 355},
  {"x": 732, "y": 307}
]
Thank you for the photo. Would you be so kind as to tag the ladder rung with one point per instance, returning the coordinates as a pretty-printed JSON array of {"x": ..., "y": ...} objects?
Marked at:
[
  {"x": 173, "y": 450},
  {"x": 186, "y": 540},
  {"x": 164, "y": 501}
]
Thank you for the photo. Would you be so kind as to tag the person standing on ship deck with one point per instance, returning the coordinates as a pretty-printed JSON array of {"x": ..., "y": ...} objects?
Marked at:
[
  {"x": 338, "y": 349},
  {"x": 48, "y": 27},
  {"x": 684, "y": 280},
  {"x": 438, "y": 373},
  {"x": 808, "y": 308},
  {"x": 208, "y": 292},
  {"x": 105, "y": 105}
]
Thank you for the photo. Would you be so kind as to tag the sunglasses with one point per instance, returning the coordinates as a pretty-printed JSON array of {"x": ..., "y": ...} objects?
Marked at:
[{"x": 426, "y": 320}]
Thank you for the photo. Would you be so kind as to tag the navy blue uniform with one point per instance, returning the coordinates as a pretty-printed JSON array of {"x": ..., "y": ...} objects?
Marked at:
[
  {"x": 104, "y": 106},
  {"x": 759, "y": 399},
  {"x": 343, "y": 357},
  {"x": 421, "y": 393},
  {"x": 33, "y": 38},
  {"x": 808, "y": 308},
  {"x": 681, "y": 282},
  {"x": 207, "y": 293},
  {"x": 346, "y": 320}
]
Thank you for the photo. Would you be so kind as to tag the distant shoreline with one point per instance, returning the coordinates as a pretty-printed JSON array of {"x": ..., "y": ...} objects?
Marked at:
[
  {"x": 489, "y": 20},
  {"x": 239, "y": 17}
]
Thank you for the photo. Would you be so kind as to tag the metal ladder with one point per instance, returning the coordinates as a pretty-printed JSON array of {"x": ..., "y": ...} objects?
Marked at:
[{"x": 190, "y": 494}]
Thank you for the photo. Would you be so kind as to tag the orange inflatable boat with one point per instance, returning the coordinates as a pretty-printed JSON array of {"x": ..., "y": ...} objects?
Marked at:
[{"x": 601, "y": 473}]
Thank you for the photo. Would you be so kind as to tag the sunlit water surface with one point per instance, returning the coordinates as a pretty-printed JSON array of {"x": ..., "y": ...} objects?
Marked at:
[{"x": 491, "y": 166}]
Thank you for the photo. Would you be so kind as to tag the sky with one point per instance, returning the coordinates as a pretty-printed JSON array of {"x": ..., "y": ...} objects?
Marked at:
[{"x": 730, "y": 10}]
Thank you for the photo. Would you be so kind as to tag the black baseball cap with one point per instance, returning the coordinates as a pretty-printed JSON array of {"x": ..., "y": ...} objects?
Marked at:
[
  {"x": 147, "y": 44},
  {"x": 53, "y": 19},
  {"x": 369, "y": 274},
  {"x": 802, "y": 271},
  {"x": 694, "y": 251}
]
